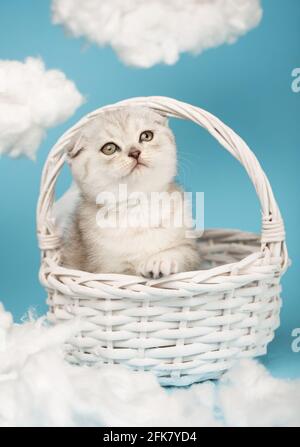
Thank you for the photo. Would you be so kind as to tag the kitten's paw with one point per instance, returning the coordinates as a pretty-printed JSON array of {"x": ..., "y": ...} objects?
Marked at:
[{"x": 158, "y": 266}]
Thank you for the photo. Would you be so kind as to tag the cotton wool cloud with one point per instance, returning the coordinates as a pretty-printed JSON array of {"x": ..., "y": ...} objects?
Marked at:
[
  {"x": 32, "y": 100},
  {"x": 38, "y": 388},
  {"x": 144, "y": 33}
]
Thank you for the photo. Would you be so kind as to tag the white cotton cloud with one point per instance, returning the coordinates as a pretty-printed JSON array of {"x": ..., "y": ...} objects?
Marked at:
[
  {"x": 38, "y": 388},
  {"x": 32, "y": 99},
  {"x": 147, "y": 32},
  {"x": 249, "y": 396}
]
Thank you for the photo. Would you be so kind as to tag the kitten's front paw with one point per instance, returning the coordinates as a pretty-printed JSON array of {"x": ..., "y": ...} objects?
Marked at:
[{"x": 158, "y": 265}]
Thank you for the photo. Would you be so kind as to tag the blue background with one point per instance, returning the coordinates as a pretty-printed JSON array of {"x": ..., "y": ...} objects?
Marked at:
[{"x": 247, "y": 85}]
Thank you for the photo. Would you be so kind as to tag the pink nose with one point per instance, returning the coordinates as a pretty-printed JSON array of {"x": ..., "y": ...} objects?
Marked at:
[{"x": 134, "y": 153}]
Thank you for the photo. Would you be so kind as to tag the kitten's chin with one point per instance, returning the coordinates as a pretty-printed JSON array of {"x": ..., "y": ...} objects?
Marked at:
[
  {"x": 136, "y": 169},
  {"x": 147, "y": 180}
]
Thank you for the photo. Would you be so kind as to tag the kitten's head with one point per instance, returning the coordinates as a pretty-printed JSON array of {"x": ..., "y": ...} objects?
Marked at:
[{"x": 132, "y": 146}]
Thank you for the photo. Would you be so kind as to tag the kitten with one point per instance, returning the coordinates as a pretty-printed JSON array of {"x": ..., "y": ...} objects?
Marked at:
[{"x": 135, "y": 148}]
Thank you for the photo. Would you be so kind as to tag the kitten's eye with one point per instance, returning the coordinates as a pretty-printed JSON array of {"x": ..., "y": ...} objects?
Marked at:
[
  {"x": 109, "y": 148},
  {"x": 147, "y": 135}
]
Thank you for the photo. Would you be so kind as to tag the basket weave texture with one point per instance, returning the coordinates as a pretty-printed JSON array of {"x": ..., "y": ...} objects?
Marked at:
[{"x": 190, "y": 326}]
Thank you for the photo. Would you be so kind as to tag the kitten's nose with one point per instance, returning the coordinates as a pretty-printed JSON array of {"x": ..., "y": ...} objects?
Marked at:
[{"x": 134, "y": 153}]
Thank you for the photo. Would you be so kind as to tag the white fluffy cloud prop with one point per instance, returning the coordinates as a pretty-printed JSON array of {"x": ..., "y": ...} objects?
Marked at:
[
  {"x": 32, "y": 99},
  {"x": 146, "y": 32},
  {"x": 37, "y": 388}
]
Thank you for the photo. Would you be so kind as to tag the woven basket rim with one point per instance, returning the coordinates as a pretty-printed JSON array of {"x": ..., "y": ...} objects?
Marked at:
[{"x": 239, "y": 273}]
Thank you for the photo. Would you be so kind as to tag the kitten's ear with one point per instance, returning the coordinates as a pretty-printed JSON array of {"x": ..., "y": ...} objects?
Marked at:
[
  {"x": 76, "y": 148},
  {"x": 162, "y": 119}
]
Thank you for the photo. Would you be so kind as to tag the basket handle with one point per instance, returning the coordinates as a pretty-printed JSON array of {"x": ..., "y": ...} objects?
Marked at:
[{"x": 272, "y": 234}]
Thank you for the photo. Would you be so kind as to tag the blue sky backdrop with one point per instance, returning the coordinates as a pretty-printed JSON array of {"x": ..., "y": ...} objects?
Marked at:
[{"x": 247, "y": 85}]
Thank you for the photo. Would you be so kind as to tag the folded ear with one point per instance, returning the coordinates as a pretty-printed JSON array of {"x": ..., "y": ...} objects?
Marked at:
[
  {"x": 161, "y": 119},
  {"x": 76, "y": 148}
]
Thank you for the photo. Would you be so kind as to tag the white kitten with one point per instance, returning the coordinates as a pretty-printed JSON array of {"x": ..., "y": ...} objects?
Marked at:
[{"x": 135, "y": 148}]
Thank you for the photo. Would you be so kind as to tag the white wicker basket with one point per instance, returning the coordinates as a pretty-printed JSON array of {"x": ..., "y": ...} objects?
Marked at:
[{"x": 188, "y": 327}]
